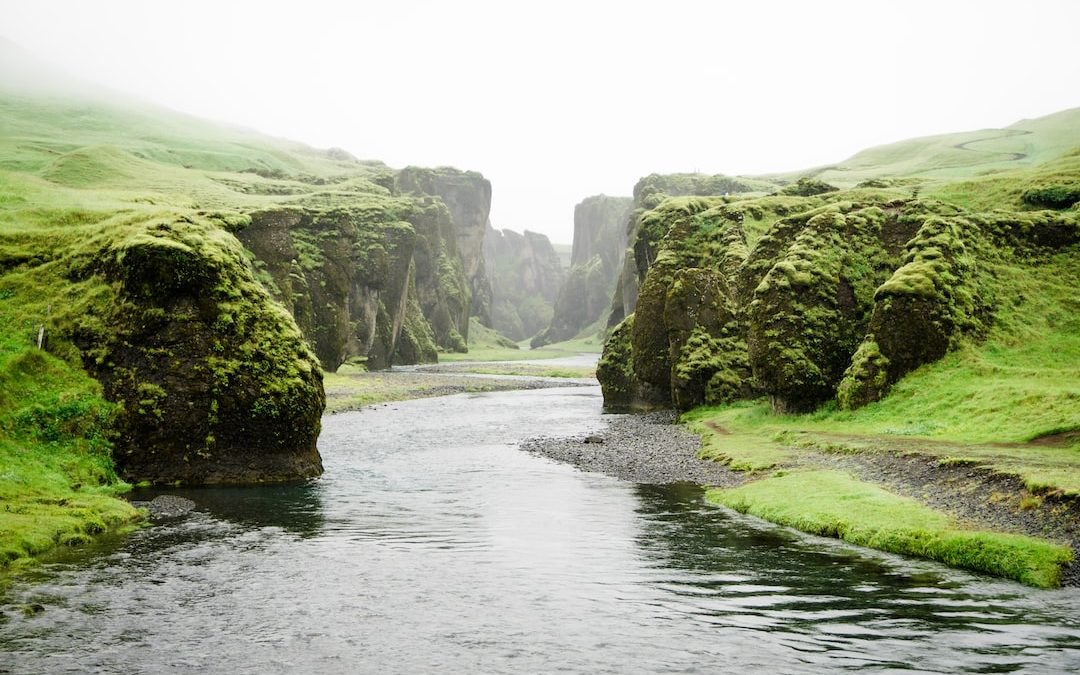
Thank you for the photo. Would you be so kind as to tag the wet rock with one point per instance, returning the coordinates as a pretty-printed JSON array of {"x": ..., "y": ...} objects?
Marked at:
[
  {"x": 643, "y": 448},
  {"x": 164, "y": 507}
]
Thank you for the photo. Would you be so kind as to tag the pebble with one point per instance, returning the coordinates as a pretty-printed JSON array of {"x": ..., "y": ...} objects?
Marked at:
[{"x": 642, "y": 448}]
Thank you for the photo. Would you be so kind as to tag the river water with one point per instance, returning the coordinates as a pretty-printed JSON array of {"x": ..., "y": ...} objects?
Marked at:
[{"x": 433, "y": 544}]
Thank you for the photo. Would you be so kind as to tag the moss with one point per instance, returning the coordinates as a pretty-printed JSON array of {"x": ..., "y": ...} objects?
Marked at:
[
  {"x": 810, "y": 311},
  {"x": 808, "y": 187},
  {"x": 1053, "y": 196},
  {"x": 615, "y": 369},
  {"x": 833, "y": 504}
]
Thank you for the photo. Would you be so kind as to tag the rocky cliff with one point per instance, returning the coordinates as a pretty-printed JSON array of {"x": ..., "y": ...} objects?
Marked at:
[
  {"x": 210, "y": 379},
  {"x": 525, "y": 273},
  {"x": 467, "y": 195},
  {"x": 378, "y": 274},
  {"x": 807, "y": 298},
  {"x": 599, "y": 245},
  {"x": 343, "y": 273},
  {"x": 649, "y": 192}
]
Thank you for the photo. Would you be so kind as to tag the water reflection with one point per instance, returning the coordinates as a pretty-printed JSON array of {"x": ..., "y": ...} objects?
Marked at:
[
  {"x": 433, "y": 545},
  {"x": 295, "y": 507}
]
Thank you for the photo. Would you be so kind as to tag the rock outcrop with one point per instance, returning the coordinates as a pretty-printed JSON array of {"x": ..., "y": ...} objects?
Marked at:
[
  {"x": 805, "y": 298},
  {"x": 649, "y": 192},
  {"x": 526, "y": 275},
  {"x": 343, "y": 273},
  {"x": 599, "y": 245},
  {"x": 213, "y": 380},
  {"x": 378, "y": 274},
  {"x": 467, "y": 195}
]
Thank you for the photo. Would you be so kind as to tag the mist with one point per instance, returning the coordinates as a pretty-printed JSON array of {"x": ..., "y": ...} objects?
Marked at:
[{"x": 556, "y": 101}]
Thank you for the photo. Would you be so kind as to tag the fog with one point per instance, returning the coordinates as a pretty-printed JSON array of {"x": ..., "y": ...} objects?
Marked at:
[{"x": 554, "y": 101}]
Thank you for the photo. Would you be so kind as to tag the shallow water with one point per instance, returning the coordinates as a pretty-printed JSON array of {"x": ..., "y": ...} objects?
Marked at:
[{"x": 433, "y": 544}]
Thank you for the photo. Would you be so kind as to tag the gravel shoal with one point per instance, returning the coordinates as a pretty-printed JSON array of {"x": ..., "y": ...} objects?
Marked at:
[{"x": 645, "y": 448}]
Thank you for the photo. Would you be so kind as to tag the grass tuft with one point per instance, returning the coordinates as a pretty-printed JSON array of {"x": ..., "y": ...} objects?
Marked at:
[{"x": 833, "y": 504}]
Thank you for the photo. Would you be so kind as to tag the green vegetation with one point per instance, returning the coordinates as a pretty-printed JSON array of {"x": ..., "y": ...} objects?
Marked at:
[
  {"x": 928, "y": 307},
  {"x": 1025, "y": 144},
  {"x": 488, "y": 345},
  {"x": 57, "y": 483},
  {"x": 833, "y": 504}
]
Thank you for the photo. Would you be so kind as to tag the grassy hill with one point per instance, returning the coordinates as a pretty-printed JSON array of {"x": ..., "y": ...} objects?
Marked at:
[{"x": 1021, "y": 145}]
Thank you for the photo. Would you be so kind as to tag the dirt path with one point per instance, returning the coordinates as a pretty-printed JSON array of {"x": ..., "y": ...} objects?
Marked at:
[{"x": 1005, "y": 133}]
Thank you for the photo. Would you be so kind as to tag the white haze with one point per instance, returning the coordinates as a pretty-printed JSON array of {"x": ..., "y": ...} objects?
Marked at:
[{"x": 554, "y": 101}]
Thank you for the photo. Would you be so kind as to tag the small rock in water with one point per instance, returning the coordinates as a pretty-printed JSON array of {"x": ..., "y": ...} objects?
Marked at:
[
  {"x": 167, "y": 506},
  {"x": 594, "y": 439}
]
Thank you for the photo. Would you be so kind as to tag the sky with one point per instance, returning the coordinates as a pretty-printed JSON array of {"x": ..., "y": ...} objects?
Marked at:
[{"x": 554, "y": 101}]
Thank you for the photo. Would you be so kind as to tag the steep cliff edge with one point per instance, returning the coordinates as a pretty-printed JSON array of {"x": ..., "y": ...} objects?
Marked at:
[
  {"x": 342, "y": 272},
  {"x": 649, "y": 192},
  {"x": 210, "y": 379},
  {"x": 467, "y": 195},
  {"x": 806, "y": 299},
  {"x": 525, "y": 274},
  {"x": 599, "y": 244}
]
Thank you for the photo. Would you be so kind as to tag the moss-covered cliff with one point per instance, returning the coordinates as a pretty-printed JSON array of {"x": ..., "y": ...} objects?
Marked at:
[
  {"x": 649, "y": 192},
  {"x": 467, "y": 195},
  {"x": 211, "y": 380},
  {"x": 812, "y": 296},
  {"x": 343, "y": 273},
  {"x": 525, "y": 274},
  {"x": 599, "y": 244}
]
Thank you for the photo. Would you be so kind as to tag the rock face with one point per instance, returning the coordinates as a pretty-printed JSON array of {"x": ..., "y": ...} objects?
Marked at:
[
  {"x": 344, "y": 274},
  {"x": 214, "y": 380},
  {"x": 525, "y": 274},
  {"x": 467, "y": 195},
  {"x": 599, "y": 245},
  {"x": 649, "y": 192},
  {"x": 378, "y": 275},
  {"x": 804, "y": 298}
]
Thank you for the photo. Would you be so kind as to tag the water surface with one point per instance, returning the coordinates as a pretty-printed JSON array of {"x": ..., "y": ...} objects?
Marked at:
[{"x": 432, "y": 544}]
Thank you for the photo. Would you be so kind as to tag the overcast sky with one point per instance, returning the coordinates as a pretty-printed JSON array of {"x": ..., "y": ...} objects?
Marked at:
[{"x": 554, "y": 101}]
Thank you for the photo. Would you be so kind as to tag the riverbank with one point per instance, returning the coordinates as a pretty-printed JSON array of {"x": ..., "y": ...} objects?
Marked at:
[
  {"x": 352, "y": 390},
  {"x": 963, "y": 513}
]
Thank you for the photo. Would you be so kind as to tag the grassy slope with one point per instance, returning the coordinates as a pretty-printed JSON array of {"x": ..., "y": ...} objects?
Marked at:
[
  {"x": 1021, "y": 145},
  {"x": 833, "y": 504}
]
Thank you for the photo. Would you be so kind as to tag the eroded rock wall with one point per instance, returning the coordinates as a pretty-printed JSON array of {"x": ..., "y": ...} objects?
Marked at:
[
  {"x": 467, "y": 196},
  {"x": 804, "y": 299},
  {"x": 214, "y": 382},
  {"x": 526, "y": 274},
  {"x": 596, "y": 259}
]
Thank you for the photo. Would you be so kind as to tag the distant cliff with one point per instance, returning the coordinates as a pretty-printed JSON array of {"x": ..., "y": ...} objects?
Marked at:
[
  {"x": 525, "y": 273},
  {"x": 378, "y": 274},
  {"x": 467, "y": 195},
  {"x": 599, "y": 245}
]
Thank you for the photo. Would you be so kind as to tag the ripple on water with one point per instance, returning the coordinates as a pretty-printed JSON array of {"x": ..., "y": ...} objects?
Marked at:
[{"x": 432, "y": 544}]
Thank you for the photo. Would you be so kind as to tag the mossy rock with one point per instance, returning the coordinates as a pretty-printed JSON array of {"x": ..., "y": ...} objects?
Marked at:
[
  {"x": 615, "y": 370},
  {"x": 706, "y": 346},
  {"x": 214, "y": 381},
  {"x": 809, "y": 313}
]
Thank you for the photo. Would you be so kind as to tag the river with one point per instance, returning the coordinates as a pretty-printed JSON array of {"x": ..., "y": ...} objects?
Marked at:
[{"x": 433, "y": 544}]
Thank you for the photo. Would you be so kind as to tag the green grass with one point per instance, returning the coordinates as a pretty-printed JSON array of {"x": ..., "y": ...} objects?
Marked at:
[
  {"x": 350, "y": 389},
  {"x": 57, "y": 484},
  {"x": 833, "y": 504},
  {"x": 937, "y": 158}
]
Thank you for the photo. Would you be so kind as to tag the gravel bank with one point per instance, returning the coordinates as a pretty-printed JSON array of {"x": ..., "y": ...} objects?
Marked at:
[{"x": 646, "y": 448}]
